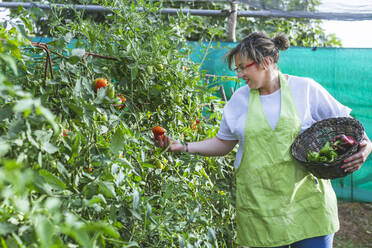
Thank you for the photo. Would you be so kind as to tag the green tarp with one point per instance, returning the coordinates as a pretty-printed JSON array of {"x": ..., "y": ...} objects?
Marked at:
[{"x": 345, "y": 72}]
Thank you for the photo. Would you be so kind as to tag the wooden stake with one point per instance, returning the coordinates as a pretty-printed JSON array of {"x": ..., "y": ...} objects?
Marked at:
[
  {"x": 233, "y": 16},
  {"x": 222, "y": 92}
]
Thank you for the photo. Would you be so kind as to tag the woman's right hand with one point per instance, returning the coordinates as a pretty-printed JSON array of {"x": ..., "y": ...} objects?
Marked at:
[{"x": 174, "y": 145}]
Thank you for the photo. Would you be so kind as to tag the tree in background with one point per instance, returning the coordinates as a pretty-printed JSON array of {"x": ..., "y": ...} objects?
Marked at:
[{"x": 301, "y": 31}]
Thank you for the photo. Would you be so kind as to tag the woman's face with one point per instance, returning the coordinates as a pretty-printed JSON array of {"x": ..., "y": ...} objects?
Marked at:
[{"x": 253, "y": 74}]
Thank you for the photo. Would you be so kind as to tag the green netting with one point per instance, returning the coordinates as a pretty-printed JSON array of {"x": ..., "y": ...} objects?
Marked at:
[
  {"x": 211, "y": 57},
  {"x": 344, "y": 72}
]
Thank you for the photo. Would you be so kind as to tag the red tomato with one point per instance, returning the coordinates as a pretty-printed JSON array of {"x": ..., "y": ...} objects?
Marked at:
[
  {"x": 158, "y": 132},
  {"x": 99, "y": 83}
]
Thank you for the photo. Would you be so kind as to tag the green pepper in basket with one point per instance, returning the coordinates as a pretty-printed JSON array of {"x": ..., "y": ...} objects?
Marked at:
[
  {"x": 323, "y": 159},
  {"x": 326, "y": 154},
  {"x": 326, "y": 149},
  {"x": 312, "y": 156},
  {"x": 332, "y": 155}
]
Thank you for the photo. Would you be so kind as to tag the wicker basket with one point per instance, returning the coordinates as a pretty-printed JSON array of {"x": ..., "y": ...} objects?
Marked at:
[{"x": 317, "y": 135}]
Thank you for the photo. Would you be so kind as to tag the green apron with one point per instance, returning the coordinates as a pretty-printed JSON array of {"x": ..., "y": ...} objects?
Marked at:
[{"x": 277, "y": 201}]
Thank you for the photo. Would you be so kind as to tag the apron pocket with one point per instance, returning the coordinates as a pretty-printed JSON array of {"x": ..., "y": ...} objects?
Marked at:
[{"x": 275, "y": 192}]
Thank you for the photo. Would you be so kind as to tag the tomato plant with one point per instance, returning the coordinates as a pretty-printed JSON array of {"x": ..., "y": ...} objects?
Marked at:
[{"x": 76, "y": 170}]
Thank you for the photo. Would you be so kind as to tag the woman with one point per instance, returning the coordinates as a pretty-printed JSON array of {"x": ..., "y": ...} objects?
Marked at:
[{"x": 278, "y": 203}]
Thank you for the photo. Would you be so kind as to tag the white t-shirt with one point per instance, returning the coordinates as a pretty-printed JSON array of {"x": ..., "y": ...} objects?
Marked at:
[{"x": 313, "y": 103}]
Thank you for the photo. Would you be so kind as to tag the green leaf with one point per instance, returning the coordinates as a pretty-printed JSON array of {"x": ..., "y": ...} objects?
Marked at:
[
  {"x": 149, "y": 209},
  {"x": 3, "y": 243},
  {"x": 120, "y": 178},
  {"x": 11, "y": 62},
  {"x": 76, "y": 146},
  {"x": 136, "y": 199},
  {"x": 29, "y": 136},
  {"x": 12, "y": 165},
  {"x": 18, "y": 240},
  {"x": 44, "y": 231},
  {"x": 96, "y": 199},
  {"x": 68, "y": 37},
  {"x": 2, "y": 78},
  {"x": 74, "y": 60},
  {"x": 4, "y": 148},
  {"x": 40, "y": 159},
  {"x": 52, "y": 204},
  {"x": 107, "y": 188},
  {"x": 132, "y": 244},
  {"x": 78, "y": 52},
  {"x": 101, "y": 93},
  {"x": 89, "y": 190},
  {"x": 102, "y": 227},
  {"x": 49, "y": 148},
  {"x": 147, "y": 165},
  {"x": 6, "y": 228},
  {"x": 52, "y": 179},
  {"x": 43, "y": 136},
  {"x": 22, "y": 204},
  {"x": 6, "y": 112},
  {"x": 117, "y": 142},
  {"x": 16, "y": 126},
  {"x": 48, "y": 116},
  {"x": 23, "y": 105},
  {"x": 28, "y": 23},
  {"x": 77, "y": 87},
  {"x": 77, "y": 109},
  {"x": 81, "y": 236},
  {"x": 62, "y": 170},
  {"x": 181, "y": 241},
  {"x": 133, "y": 72},
  {"x": 211, "y": 235}
]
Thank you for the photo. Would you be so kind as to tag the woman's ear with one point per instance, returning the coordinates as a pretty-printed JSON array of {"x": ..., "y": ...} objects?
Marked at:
[{"x": 266, "y": 63}]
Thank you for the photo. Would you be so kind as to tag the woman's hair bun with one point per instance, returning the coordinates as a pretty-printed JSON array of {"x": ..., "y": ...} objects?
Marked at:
[{"x": 281, "y": 42}]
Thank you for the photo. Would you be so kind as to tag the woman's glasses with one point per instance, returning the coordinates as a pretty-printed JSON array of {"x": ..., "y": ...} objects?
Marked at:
[{"x": 242, "y": 68}]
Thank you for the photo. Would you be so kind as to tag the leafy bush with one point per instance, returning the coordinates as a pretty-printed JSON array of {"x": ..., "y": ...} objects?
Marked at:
[{"x": 76, "y": 170}]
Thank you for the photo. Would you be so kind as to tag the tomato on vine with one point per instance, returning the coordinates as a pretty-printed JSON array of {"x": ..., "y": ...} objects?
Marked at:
[
  {"x": 65, "y": 133},
  {"x": 111, "y": 91},
  {"x": 99, "y": 83},
  {"x": 120, "y": 102},
  {"x": 158, "y": 132}
]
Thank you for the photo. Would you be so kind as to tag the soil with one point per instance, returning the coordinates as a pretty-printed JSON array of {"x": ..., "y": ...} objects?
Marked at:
[{"x": 355, "y": 225}]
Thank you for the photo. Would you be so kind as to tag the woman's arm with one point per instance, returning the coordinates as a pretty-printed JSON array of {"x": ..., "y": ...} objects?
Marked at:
[
  {"x": 209, "y": 147},
  {"x": 212, "y": 147}
]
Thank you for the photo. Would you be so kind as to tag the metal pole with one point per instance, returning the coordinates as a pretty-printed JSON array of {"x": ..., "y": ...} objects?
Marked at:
[
  {"x": 261, "y": 13},
  {"x": 198, "y": 12},
  {"x": 90, "y": 8},
  {"x": 97, "y": 8},
  {"x": 304, "y": 14}
]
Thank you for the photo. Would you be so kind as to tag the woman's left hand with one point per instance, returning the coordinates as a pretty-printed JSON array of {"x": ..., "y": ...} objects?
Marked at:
[{"x": 354, "y": 162}]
